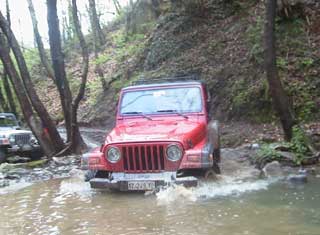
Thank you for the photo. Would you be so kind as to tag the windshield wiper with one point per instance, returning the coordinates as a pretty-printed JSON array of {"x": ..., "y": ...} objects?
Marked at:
[
  {"x": 172, "y": 111},
  {"x": 139, "y": 113}
]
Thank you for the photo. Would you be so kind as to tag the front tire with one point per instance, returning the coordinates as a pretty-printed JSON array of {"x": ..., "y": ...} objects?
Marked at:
[
  {"x": 36, "y": 155},
  {"x": 214, "y": 139},
  {"x": 209, "y": 175},
  {"x": 216, "y": 168},
  {"x": 3, "y": 156},
  {"x": 90, "y": 174}
]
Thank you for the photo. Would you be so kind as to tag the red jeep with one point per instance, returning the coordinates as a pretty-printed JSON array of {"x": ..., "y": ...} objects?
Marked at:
[{"x": 162, "y": 136}]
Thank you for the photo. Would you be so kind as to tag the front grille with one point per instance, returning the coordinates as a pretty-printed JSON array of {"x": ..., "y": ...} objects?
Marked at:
[
  {"x": 22, "y": 139},
  {"x": 143, "y": 158}
]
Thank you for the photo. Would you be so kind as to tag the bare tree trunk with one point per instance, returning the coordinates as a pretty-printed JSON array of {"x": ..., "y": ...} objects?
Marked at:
[
  {"x": 64, "y": 29},
  {"x": 280, "y": 99},
  {"x": 117, "y": 6},
  {"x": 70, "y": 27},
  {"x": 156, "y": 8},
  {"x": 42, "y": 53},
  {"x": 3, "y": 102},
  {"x": 131, "y": 25},
  {"x": 95, "y": 24},
  {"x": 58, "y": 64},
  {"x": 47, "y": 123},
  {"x": 76, "y": 146},
  {"x": 6, "y": 85},
  {"x": 24, "y": 101},
  {"x": 9, "y": 95},
  {"x": 60, "y": 73}
]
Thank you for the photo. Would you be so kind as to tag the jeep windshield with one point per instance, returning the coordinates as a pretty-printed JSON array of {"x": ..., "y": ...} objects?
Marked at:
[
  {"x": 7, "y": 121},
  {"x": 159, "y": 101}
]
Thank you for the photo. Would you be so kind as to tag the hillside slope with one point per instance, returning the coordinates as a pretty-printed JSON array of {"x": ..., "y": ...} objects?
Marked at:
[{"x": 223, "y": 46}]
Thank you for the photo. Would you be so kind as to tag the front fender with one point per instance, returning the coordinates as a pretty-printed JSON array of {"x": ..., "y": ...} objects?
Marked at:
[{"x": 92, "y": 160}]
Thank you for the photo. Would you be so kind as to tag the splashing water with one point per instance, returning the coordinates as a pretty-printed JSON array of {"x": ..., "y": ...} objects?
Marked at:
[
  {"x": 14, "y": 187},
  {"x": 76, "y": 185},
  {"x": 226, "y": 186}
]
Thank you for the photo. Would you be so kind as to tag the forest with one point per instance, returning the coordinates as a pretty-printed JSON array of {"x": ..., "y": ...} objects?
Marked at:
[
  {"x": 270, "y": 72},
  {"x": 160, "y": 117}
]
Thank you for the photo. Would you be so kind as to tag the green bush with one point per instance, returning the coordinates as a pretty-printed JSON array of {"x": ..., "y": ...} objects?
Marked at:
[
  {"x": 102, "y": 59},
  {"x": 299, "y": 144}
]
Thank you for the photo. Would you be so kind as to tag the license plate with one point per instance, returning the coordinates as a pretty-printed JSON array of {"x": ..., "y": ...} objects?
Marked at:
[{"x": 141, "y": 185}]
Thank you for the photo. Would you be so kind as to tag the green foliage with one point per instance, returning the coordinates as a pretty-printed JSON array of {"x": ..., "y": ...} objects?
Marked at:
[
  {"x": 127, "y": 45},
  {"x": 128, "y": 51},
  {"x": 95, "y": 89},
  {"x": 102, "y": 59},
  {"x": 147, "y": 27},
  {"x": 254, "y": 36},
  {"x": 282, "y": 63},
  {"x": 290, "y": 28},
  {"x": 306, "y": 112},
  {"x": 267, "y": 152},
  {"x": 299, "y": 144},
  {"x": 118, "y": 38},
  {"x": 306, "y": 62},
  {"x": 304, "y": 95},
  {"x": 32, "y": 58},
  {"x": 291, "y": 37},
  {"x": 252, "y": 100},
  {"x": 73, "y": 83}
]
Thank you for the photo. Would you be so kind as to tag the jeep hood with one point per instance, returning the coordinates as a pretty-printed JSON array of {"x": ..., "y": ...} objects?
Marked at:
[{"x": 187, "y": 132}]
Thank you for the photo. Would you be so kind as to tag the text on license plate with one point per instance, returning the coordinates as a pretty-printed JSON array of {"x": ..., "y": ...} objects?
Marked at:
[{"x": 141, "y": 185}]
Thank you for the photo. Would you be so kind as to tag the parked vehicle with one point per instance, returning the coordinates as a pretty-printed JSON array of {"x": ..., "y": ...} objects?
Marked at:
[
  {"x": 15, "y": 141},
  {"x": 162, "y": 136}
]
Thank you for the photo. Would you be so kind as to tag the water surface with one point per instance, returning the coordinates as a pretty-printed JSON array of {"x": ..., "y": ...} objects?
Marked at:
[{"x": 231, "y": 206}]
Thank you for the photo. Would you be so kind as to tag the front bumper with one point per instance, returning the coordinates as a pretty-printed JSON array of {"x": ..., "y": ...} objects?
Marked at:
[
  {"x": 24, "y": 148},
  {"x": 121, "y": 181}
]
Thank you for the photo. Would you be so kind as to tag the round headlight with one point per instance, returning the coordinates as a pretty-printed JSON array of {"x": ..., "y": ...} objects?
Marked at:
[
  {"x": 113, "y": 155},
  {"x": 12, "y": 139},
  {"x": 174, "y": 153},
  {"x": 33, "y": 140}
]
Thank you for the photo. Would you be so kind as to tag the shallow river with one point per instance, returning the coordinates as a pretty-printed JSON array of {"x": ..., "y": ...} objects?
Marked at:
[{"x": 232, "y": 206}]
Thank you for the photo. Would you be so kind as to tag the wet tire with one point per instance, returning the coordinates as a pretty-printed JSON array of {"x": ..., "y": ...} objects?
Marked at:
[
  {"x": 217, "y": 154},
  {"x": 36, "y": 155},
  {"x": 216, "y": 168},
  {"x": 214, "y": 139},
  {"x": 90, "y": 174},
  {"x": 2, "y": 156},
  {"x": 209, "y": 175},
  {"x": 33, "y": 155}
]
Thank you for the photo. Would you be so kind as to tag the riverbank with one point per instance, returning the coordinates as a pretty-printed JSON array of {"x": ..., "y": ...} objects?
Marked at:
[
  {"x": 241, "y": 144},
  {"x": 235, "y": 161}
]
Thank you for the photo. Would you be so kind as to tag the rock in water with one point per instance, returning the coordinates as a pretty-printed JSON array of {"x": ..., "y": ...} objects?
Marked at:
[
  {"x": 298, "y": 179},
  {"x": 4, "y": 183},
  {"x": 273, "y": 169},
  {"x": 255, "y": 146}
]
